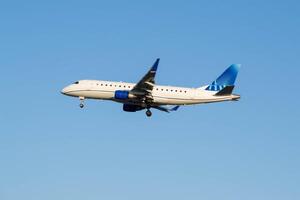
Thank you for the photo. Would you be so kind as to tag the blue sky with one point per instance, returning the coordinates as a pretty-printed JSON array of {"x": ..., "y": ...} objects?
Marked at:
[{"x": 50, "y": 149}]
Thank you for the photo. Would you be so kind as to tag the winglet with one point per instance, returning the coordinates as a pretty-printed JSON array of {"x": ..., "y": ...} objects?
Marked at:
[
  {"x": 155, "y": 65},
  {"x": 175, "y": 108},
  {"x": 165, "y": 108}
]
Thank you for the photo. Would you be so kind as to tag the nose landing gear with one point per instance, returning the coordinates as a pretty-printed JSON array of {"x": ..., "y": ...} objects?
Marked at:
[
  {"x": 81, "y": 105},
  {"x": 148, "y": 113}
]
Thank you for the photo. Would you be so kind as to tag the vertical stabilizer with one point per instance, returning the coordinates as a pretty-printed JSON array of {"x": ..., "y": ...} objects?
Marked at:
[{"x": 227, "y": 78}]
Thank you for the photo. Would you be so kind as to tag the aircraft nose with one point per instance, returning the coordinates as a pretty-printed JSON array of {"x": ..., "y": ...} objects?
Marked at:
[{"x": 64, "y": 90}]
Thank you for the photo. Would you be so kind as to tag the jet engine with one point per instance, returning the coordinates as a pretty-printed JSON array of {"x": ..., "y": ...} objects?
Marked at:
[{"x": 123, "y": 95}]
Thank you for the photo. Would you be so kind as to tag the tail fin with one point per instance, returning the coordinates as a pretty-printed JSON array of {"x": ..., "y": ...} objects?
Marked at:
[{"x": 226, "y": 79}]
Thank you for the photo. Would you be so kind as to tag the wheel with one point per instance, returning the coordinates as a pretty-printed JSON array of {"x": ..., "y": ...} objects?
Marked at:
[
  {"x": 148, "y": 113},
  {"x": 81, "y": 105}
]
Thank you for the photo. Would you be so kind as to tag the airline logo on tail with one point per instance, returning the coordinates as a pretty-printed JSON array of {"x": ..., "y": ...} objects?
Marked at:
[{"x": 226, "y": 79}]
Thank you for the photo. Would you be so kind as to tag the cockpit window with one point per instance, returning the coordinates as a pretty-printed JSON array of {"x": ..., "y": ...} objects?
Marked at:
[{"x": 77, "y": 82}]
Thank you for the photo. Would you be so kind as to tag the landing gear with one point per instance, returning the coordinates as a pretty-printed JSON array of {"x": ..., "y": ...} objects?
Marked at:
[
  {"x": 81, "y": 105},
  {"x": 148, "y": 113}
]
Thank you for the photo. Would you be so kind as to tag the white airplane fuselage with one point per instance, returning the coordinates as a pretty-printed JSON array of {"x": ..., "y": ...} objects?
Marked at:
[
  {"x": 146, "y": 94},
  {"x": 161, "y": 95}
]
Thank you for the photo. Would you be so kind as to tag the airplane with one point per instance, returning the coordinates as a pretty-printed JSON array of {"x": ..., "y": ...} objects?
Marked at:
[{"x": 146, "y": 94}]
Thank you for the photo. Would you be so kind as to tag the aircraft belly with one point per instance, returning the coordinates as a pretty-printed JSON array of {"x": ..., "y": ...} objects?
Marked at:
[
  {"x": 183, "y": 101},
  {"x": 173, "y": 101}
]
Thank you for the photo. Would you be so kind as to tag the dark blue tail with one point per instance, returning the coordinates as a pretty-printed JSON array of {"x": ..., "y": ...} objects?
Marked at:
[{"x": 226, "y": 79}]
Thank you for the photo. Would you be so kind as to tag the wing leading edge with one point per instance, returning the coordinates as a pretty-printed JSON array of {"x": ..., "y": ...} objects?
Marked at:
[
  {"x": 143, "y": 90},
  {"x": 145, "y": 86}
]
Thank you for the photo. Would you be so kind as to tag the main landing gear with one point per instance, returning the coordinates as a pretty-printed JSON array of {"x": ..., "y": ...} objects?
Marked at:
[
  {"x": 81, "y": 105},
  {"x": 148, "y": 113}
]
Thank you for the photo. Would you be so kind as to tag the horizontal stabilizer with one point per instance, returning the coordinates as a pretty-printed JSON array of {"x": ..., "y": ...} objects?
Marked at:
[{"x": 227, "y": 90}]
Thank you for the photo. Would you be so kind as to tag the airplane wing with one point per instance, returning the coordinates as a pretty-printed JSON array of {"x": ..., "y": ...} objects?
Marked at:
[
  {"x": 145, "y": 86},
  {"x": 166, "y": 109}
]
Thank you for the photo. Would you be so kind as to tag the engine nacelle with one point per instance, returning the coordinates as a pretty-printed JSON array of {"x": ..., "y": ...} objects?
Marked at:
[
  {"x": 132, "y": 108},
  {"x": 123, "y": 95}
]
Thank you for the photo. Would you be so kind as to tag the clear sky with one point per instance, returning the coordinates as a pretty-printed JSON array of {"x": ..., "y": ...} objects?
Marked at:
[{"x": 51, "y": 149}]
